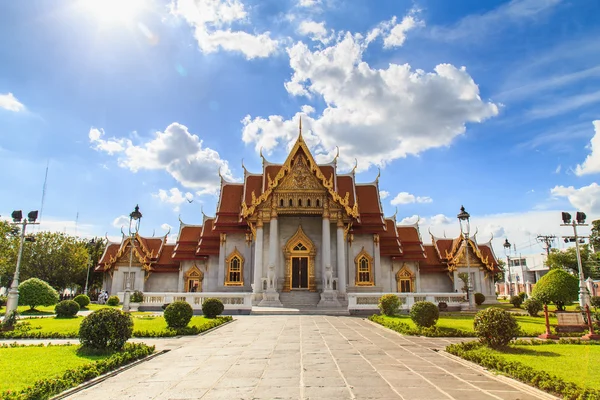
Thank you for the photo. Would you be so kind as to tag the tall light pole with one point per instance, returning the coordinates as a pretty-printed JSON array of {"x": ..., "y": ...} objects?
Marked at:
[
  {"x": 91, "y": 243},
  {"x": 579, "y": 221},
  {"x": 506, "y": 246},
  {"x": 134, "y": 226},
  {"x": 13, "y": 294},
  {"x": 463, "y": 218}
]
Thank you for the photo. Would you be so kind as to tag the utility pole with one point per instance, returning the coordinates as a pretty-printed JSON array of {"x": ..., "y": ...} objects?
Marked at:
[{"x": 547, "y": 241}]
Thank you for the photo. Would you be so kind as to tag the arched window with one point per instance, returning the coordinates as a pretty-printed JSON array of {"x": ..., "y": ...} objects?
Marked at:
[
  {"x": 364, "y": 269},
  {"x": 308, "y": 202},
  {"x": 235, "y": 269},
  {"x": 405, "y": 280},
  {"x": 299, "y": 202},
  {"x": 281, "y": 203},
  {"x": 291, "y": 203}
]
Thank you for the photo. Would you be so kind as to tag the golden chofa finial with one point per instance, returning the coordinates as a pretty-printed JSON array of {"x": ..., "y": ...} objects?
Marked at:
[
  {"x": 378, "y": 175},
  {"x": 355, "y": 165},
  {"x": 300, "y": 128}
]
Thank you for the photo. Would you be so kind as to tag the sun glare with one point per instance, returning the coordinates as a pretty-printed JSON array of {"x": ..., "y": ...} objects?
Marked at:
[{"x": 114, "y": 11}]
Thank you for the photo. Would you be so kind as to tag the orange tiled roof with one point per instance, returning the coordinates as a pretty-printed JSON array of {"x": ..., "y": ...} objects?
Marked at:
[
  {"x": 209, "y": 240},
  {"x": 187, "y": 242},
  {"x": 410, "y": 240}
]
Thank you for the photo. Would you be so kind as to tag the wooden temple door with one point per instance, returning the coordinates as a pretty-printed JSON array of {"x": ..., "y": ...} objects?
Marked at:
[{"x": 299, "y": 272}]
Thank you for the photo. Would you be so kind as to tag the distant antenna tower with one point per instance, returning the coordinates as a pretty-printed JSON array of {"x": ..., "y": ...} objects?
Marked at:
[
  {"x": 547, "y": 241},
  {"x": 44, "y": 192},
  {"x": 76, "y": 222}
]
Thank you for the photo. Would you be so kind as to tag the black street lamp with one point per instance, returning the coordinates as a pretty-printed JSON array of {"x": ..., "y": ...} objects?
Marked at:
[
  {"x": 134, "y": 226},
  {"x": 465, "y": 226},
  {"x": 507, "y": 247}
]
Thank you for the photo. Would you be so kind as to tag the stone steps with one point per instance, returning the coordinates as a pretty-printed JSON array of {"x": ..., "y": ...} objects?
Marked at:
[
  {"x": 298, "y": 311},
  {"x": 299, "y": 299}
]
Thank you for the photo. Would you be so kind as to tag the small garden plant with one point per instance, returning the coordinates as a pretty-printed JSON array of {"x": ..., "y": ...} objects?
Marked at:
[
  {"x": 83, "y": 300},
  {"x": 112, "y": 301},
  {"x": 389, "y": 304},
  {"x": 137, "y": 297},
  {"x": 424, "y": 314},
  {"x": 66, "y": 309},
  {"x": 35, "y": 292},
  {"x": 516, "y": 301},
  {"x": 533, "y": 306},
  {"x": 106, "y": 329},
  {"x": 495, "y": 327},
  {"x": 479, "y": 298},
  {"x": 211, "y": 308},
  {"x": 178, "y": 314}
]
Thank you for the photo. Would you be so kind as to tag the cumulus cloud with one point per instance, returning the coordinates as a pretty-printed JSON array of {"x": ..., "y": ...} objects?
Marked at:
[
  {"x": 397, "y": 33},
  {"x": 383, "y": 194},
  {"x": 212, "y": 19},
  {"x": 439, "y": 219},
  {"x": 308, "y": 3},
  {"x": 407, "y": 198},
  {"x": 121, "y": 221},
  {"x": 586, "y": 198},
  {"x": 173, "y": 196},
  {"x": 410, "y": 220},
  {"x": 374, "y": 114},
  {"x": 591, "y": 165},
  {"x": 316, "y": 31},
  {"x": 166, "y": 227},
  {"x": 176, "y": 151},
  {"x": 9, "y": 102}
]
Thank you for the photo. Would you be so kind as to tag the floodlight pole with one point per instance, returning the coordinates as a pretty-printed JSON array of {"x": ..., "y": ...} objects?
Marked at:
[
  {"x": 13, "y": 294},
  {"x": 582, "y": 289}
]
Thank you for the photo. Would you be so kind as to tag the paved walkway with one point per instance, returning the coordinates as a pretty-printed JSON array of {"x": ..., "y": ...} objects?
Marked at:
[{"x": 306, "y": 357}]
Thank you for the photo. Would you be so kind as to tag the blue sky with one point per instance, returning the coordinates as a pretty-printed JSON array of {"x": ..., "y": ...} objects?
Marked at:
[{"x": 487, "y": 104}]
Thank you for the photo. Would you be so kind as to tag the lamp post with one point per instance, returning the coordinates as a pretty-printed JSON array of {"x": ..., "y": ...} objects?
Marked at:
[
  {"x": 579, "y": 221},
  {"x": 506, "y": 246},
  {"x": 13, "y": 294},
  {"x": 134, "y": 226},
  {"x": 463, "y": 218},
  {"x": 91, "y": 243}
]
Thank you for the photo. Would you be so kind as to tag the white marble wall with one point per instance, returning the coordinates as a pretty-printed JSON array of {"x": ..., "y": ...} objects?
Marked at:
[
  {"x": 119, "y": 277},
  {"x": 435, "y": 282},
  {"x": 162, "y": 282},
  {"x": 217, "y": 281}
]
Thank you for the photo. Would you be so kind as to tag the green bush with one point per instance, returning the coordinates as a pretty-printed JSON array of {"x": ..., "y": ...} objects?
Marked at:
[
  {"x": 178, "y": 314},
  {"x": 443, "y": 306},
  {"x": 83, "y": 300},
  {"x": 405, "y": 329},
  {"x": 595, "y": 301},
  {"x": 522, "y": 295},
  {"x": 495, "y": 327},
  {"x": 137, "y": 297},
  {"x": 389, "y": 304},
  {"x": 106, "y": 329},
  {"x": 479, "y": 298},
  {"x": 66, "y": 308},
  {"x": 424, "y": 314},
  {"x": 188, "y": 330},
  {"x": 3, "y": 300},
  {"x": 516, "y": 301},
  {"x": 558, "y": 287},
  {"x": 533, "y": 307},
  {"x": 212, "y": 307},
  {"x": 35, "y": 292},
  {"x": 10, "y": 320},
  {"x": 112, "y": 301},
  {"x": 47, "y": 388}
]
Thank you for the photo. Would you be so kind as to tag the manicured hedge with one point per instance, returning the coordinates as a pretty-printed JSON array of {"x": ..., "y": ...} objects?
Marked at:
[
  {"x": 522, "y": 372},
  {"x": 406, "y": 329},
  {"x": 46, "y": 388},
  {"x": 188, "y": 330}
]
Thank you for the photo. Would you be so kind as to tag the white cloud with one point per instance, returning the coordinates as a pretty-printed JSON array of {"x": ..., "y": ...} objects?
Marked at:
[
  {"x": 586, "y": 198},
  {"x": 591, "y": 165},
  {"x": 166, "y": 227},
  {"x": 383, "y": 194},
  {"x": 174, "y": 196},
  {"x": 316, "y": 31},
  {"x": 439, "y": 219},
  {"x": 477, "y": 26},
  {"x": 175, "y": 150},
  {"x": 121, "y": 221},
  {"x": 212, "y": 19},
  {"x": 375, "y": 115},
  {"x": 397, "y": 34},
  {"x": 558, "y": 169},
  {"x": 564, "y": 105},
  {"x": 407, "y": 198},
  {"x": 9, "y": 102},
  {"x": 410, "y": 220},
  {"x": 308, "y": 3}
]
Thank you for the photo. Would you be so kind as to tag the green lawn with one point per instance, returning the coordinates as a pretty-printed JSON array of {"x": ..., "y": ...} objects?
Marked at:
[
  {"x": 22, "y": 366},
  {"x": 49, "y": 310},
  {"x": 505, "y": 305},
  {"x": 531, "y": 326},
  {"x": 141, "y": 322}
]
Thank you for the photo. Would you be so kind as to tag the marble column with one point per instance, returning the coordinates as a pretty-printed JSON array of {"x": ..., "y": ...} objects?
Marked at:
[
  {"x": 325, "y": 248},
  {"x": 273, "y": 243},
  {"x": 341, "y": 256},
  {"x": 377, "y": 257},
  {"x": 271, "y": 296},
  {"x": 180, "y": 280},
  {"x": 222, "y": 266},
  {"x": 258, "y": 257}
]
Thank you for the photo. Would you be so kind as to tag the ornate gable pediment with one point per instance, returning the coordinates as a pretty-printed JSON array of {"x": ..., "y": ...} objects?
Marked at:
[
  {"x": 300, "y": 178},
  {"x": 458, "y": 257}
]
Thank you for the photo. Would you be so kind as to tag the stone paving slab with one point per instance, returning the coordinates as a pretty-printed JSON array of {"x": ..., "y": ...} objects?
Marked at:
[{"x": 307, "y": 357}]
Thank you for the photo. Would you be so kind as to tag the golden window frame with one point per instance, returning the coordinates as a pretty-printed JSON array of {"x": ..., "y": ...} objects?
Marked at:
[
  {"x": 235, "y": 254},
  {"x": 193, "y": 273},
  {"x": 363, "y": 255},
  {"x": 404, "y": 275}
]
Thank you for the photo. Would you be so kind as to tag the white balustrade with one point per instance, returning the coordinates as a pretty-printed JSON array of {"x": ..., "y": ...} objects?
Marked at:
[
  {"x": 231, "y": 301},
  {"x": 369, "y": 301}
]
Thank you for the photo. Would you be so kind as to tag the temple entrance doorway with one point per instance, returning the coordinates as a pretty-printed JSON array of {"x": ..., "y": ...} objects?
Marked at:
[{"x": 299, "y": 272}]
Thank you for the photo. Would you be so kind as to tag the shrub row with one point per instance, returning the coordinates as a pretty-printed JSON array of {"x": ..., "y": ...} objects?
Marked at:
[
  {"x": 46, "y": 388},
  {"x": 477, "y": 353},
  {"x": 406, "y": 329},
  {"x": 188, "y": 330}
]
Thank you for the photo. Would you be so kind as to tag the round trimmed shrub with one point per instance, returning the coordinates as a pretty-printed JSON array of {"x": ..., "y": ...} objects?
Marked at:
[
  {"x": 83, "y": 300},
  {"x": 516, "y": 301},
  {"x": 479, "y": 298},
  {"x": 212, "y": 307},
  {"x": 106, "y": 329},
  {"x": 137, "y": 297},
  {"x": 35, "y": 292},
  {"x": 495, "y": 327},
  {"x": 443, "y": 306},
  {"x": 112, "y": 301},
  {"x": 389, "y": 304},
  {"x": 66, "y": 309},
  {"x": 522, "y": 295},
  {"x": 558, "y": 287},
  {"x": 424, "y": 314},
  {"x": 533, "y": 307},
  {"x": 178, "y": 314}
]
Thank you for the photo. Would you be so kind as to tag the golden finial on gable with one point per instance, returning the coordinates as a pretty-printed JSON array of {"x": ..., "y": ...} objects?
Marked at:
[
  {"x": 300, "y": 129},
  {"x": 355, "y": 165},
  {"x": 378, "y": 175}
]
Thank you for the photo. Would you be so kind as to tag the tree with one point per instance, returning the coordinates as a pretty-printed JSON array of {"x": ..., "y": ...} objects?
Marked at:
[
  {"x": 567, "y": 260},
  {"x": 499, "y": 276},
  {"x": 35, "y": 292},
  {"x": 558, "y": 287},
  {"x": 595, "y": 236},
  {"x": 9, "y": 242},
  {"x": 95, "y": 252}
]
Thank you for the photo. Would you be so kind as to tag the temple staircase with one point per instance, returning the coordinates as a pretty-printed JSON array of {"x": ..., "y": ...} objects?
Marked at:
[{"x": 300, "y": 302}]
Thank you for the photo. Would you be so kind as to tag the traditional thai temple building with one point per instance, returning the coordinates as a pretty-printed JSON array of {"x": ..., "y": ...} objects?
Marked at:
[{"x": 299, "y": 234}]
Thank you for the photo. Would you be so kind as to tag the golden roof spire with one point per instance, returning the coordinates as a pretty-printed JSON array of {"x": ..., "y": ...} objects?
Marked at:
[{"x": 300, "y": 129}]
